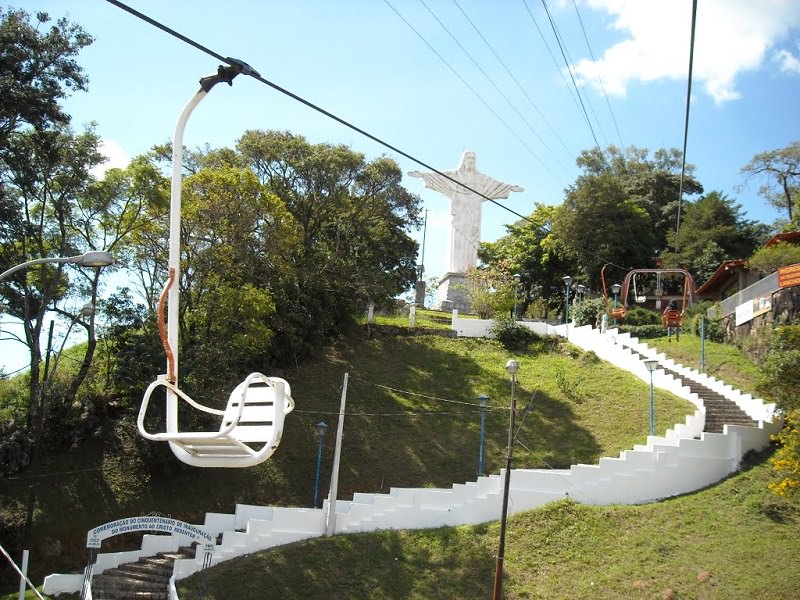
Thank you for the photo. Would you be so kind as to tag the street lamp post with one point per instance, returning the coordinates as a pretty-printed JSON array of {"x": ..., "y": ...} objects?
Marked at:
[
  {"x": 517, "y": 277},
  {"x": 581, "y": 290},
  {"x": 483, "y": 399},
  {"x": 93, "y": 258},
  {"x": 512, "y": 366},
  {"x": 322, "y": 427},
  {"x": 615, "y": 290},
  {"x": 651, "y": 366},
  {"x": 567, "y": 281}
]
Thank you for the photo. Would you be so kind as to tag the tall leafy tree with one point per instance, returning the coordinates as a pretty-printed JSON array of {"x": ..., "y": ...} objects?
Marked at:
[
  {"x": 651, "y": 183},
  {"x": 51, "y": 204},
  {"x": 714, "y": 230},
  {"x": 37, "y": 70},
  {"x": 353, "y": 219},
  {"x": 530, "y": 249},
  {"x": 781, "y": 169},
  {"x": 45, "y": 173},
  {"x": 599, "y": 223}
]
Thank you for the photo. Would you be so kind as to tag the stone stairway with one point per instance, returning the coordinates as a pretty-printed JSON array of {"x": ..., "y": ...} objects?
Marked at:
[
  {"x": 719, "y": 410},
  {"x": 146, "y": 579}
]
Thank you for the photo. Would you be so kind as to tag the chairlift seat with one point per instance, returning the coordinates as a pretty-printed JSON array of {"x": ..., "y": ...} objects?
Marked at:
[
  {"x": 250, "y": 430},
  {"x": 672, "y": 318}
]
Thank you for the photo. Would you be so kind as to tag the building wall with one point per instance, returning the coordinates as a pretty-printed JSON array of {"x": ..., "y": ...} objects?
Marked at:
[{"x": 785, "y": 309}]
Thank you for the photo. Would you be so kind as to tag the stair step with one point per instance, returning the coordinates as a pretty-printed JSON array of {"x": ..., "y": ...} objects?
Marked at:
[
  {"x": 146, "y": 579},
  {"x": 719, "y": 410}
]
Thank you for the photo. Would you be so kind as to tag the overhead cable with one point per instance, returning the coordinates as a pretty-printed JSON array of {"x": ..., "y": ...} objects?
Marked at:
[
  {"x": 497, "y": 89},
  {"x": 330, "y": 115},
  {"x": 513, "y": 78},
  {"x": 465, "y": 82},
  {"x": 599, "y": 78},
  {"x": 569, "y": 70},
  {"x": 686, "y": 124}
]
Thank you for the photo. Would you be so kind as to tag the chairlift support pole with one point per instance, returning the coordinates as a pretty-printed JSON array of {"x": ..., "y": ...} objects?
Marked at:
[
  {"x": 330, "y": 526},
  {"x": 226, "y": 74}
]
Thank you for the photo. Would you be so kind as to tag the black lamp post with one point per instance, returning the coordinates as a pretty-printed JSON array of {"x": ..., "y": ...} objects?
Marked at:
[
  {"x": 615, "y": 290},
  {"x": 483, "y": 399},
  {"x": 567, "y": 281},
  {"x": 517, "y": 277},
  {"x": 322, "y": 427},
  {"x": 512, "y": 366}
]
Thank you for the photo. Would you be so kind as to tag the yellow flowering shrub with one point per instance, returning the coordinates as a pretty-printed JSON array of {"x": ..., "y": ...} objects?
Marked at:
[{"x": 786, "y": 462}]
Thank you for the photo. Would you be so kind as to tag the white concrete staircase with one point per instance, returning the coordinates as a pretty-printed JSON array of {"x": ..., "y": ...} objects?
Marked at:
[{"x": 685, "y": 459}]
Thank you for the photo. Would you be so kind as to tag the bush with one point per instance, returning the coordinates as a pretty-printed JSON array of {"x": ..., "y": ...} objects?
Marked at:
[
  {"x": 512, "y": 335},
  {"x": 643, "y": 331},
  {"x": 587, "y": 312},
  {"x": 641, "y": 316},
  {"x": 694, "y": 316},
  {"x": 780, "y": 376},
  {"x": 713, "y": 328}
]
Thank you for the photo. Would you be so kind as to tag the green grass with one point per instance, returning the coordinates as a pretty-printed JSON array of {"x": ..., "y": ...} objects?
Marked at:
[
  {"x": 583, "y": 409},
  {"x": 425, "y": 318},
  {"x": 733, "y": 540}
]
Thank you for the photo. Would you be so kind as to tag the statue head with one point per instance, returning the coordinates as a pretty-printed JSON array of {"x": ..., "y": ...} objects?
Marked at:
[{"x": 467, "y": 161}]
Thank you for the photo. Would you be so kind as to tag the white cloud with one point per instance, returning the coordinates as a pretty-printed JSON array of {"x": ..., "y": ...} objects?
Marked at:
[
  {"x": 116, "y": 158},
  {"x": 732, "y": 36},
  {"x": 787, "y": 61}
]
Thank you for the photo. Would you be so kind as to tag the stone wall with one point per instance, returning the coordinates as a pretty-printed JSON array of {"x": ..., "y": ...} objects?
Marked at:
[{"x": 785, "y": 309}]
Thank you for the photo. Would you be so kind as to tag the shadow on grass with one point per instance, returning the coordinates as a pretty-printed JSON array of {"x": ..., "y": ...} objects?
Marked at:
[{"x": 386, "y": 564}]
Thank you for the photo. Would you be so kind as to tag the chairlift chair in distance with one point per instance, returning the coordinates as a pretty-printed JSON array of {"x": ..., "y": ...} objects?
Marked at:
[
  {"x": 252, "y": 423},
  {"x": 629, "y": 285}
]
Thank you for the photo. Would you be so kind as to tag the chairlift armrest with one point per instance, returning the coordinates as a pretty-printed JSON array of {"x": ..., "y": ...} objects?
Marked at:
[{"x": 163, "y": 381}]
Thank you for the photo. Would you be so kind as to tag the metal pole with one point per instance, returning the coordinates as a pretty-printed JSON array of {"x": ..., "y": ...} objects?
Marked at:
[
  {"x": 652, "y": 408},
  {"x": 24, "y": 575},
  {"x": 566, "y": 312},
  {"x": 613, "y": 312},
  {"x": 330, "y": 527},
  {"x": 702, "y": 343},
  {"x": 316, "y": 475},
  {"x": 483, "y": 401},
  {"x": 498, "y": 573}
]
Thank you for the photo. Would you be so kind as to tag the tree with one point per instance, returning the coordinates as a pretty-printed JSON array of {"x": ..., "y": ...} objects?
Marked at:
[
  {"x": 51, "y": 204},
  {"x": 353, "y": 220},
  {"x": 530, "y": 249},
  {"x": 490, "y": 289},
  {"x": 714, "y": 230},
  {"x": 781, "y": 168},
  {"x": 650, "y": 183},
  {"x": 598, "y": 223},
  {"x": 45, "y": 172},
  {"x": 37, "y": 70},
  {"x": 770, "y": 258}
]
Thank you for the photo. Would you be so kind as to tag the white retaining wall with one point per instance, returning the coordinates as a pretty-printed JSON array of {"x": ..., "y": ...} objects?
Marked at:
[{"x": 685, "y": 459}]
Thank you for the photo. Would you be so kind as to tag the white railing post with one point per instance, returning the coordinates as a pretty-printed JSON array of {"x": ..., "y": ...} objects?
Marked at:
[{"x": 330, "y": 527}]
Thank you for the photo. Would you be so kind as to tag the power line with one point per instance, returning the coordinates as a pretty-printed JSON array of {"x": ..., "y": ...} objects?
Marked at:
[
  {"x": 309, "y": 104},
  {"x": 417, "y": 394},
  {"x": 496, "y": 87},
  {"x": 466, "y": 83},
  {"x": 599, "y": 78},
  {"x": 513, "y": 78},
  {"x": 686, "y": 124},
  {"x": 255, "y": 75},
  {"x": 569, "y": 70}
]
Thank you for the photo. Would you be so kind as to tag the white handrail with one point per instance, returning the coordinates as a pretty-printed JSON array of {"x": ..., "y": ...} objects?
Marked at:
[{"x": 21, "y": 574}]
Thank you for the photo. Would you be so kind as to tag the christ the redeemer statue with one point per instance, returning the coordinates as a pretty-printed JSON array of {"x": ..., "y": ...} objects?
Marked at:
[{"x": 465, "y": 207}]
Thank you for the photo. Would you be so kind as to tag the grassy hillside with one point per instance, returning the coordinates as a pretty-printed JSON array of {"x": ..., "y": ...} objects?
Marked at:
[
  {"x": 733, "y": 540},
  {"x": 412, "y": 420}
]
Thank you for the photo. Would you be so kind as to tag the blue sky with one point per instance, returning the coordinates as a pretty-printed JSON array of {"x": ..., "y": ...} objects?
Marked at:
[{"x": 405, "y": 71}]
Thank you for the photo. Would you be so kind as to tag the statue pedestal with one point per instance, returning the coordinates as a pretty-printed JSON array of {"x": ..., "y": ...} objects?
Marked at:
[{"x": 450, "y": 294}]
